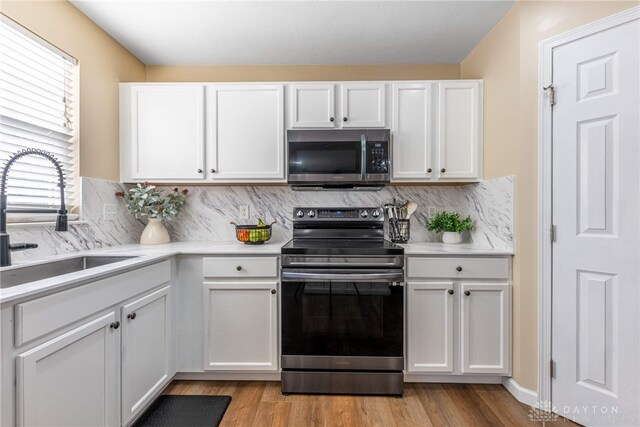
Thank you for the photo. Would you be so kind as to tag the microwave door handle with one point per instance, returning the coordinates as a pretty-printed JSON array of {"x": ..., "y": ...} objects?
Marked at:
[
  {"x": 343, "y": 277},
  {"x": 363, "y": 145}
]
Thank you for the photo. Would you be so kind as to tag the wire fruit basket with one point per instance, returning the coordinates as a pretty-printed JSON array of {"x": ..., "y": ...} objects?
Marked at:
[{"x": 253, "y": 234}]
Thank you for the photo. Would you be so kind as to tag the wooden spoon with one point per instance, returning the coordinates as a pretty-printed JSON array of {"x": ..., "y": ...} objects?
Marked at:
[{"x": 411, "y": 208}]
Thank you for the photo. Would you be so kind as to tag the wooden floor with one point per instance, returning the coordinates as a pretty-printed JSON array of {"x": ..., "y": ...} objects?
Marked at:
[{"x": 256, "y": 403}]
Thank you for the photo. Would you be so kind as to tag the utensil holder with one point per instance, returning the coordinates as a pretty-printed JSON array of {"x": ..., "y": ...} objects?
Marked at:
[{"x": 399, "y": 230}]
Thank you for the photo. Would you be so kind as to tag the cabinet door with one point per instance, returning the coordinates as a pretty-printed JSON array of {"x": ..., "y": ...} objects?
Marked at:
[
  {"x": 313, "y": 105},
  {"x": 72, "y": 379},
  {"x": 430, "y": 327},
  {"x": 145, "y": 350},
  {"x": 363, "y": 105},
  {"x": 167, "y": 126},
  {"x": 459, "y": 133},
  {"x": 485, "y": 328},
  {"x": 412, "y": 145},
  {"x": 245, "y": 131},
  {"x": 241, "y": 329}
]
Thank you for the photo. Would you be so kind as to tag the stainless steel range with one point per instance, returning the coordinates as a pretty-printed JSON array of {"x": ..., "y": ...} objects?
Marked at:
[{"x": 342, "y": 304}]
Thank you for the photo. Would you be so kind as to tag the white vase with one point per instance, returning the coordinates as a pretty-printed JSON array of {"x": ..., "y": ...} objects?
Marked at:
[
  {"x": 451, "y": 237},
  {"x": 155, "y": 233}
]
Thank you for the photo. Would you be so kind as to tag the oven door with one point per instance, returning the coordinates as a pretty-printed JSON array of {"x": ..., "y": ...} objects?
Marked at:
[
  {"x": 325, "y": 162},
  {"x": 342, "y": 319}
]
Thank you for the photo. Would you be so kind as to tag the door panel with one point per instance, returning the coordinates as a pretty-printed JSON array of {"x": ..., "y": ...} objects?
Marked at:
[
  {"x": 146, "y": 350},
  {"x": 363, "y": 105},
  {"x": 596, "y": 198},
  {"x": 245, "y": 132},
  {"x": 412, "y": 141},
  {"x": 459, "y": 130},
  {"x": 430, "y": 326},
  {"x": 313, "y": 106},
  {"x": 241, "y": 331},
  {"x": 71, "y": 380},
  {"x": 167, "y": 140},
  {"x": 485, "y": 332}
]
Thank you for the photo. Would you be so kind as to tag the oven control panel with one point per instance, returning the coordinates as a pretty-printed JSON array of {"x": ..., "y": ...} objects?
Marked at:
[
  {"x": 377, "y": 156},
  {"x": 337, "y": 214}
]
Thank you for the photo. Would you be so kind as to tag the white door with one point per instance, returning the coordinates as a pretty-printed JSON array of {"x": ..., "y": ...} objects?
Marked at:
[
  {"x": 167, "y": 132},
  {"x": 146, "y": 350},
  {"x": 411, "y": 131},
  {"x": 313, "y": 105},
  {"x": 484, "y": 328},
  {"x": 596, "y": 256},
  {"x": 459, "y": 130},
  {"x": 245, "y": 132},
  {"x": 430, "y": 326},
  {"x": 241, "y": 326},
  {"x": 72, "y": 379},
  {"x": 363, "y": 105}
]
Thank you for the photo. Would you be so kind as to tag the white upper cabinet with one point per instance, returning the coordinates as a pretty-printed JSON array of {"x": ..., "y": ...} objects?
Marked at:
[
  {"x": 312, "y": 105},
  {"x": 166, "y": 137},
  {"x": 245, "y": 132},
  {"x": 412, "y": 146},
  {"x": 363, "y": 105},
  {"x": 459, "y": 130}
]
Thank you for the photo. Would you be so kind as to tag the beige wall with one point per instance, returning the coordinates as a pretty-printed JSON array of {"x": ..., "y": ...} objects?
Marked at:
[
  {"x": 267, "y": 73},
  {"x": 103, "y": 64},
  {"x": 507, "y": 60}
]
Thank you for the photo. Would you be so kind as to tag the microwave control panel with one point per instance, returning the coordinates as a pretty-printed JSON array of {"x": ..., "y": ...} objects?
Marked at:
[{"x": 377, "y": 158}]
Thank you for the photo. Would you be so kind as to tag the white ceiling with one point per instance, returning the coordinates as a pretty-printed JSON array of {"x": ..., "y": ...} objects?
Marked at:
[{"x": 296, "y": 32}]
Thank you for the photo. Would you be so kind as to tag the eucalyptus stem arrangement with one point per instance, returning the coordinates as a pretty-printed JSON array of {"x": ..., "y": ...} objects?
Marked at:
[{"x": 146, "y": 200}]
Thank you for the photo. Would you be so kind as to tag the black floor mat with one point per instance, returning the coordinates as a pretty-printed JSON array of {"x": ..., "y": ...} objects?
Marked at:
[{"x": 185, "y": 411}]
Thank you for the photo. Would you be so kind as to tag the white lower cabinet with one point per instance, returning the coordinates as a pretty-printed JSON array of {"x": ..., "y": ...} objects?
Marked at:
[
  {"x": 241, "y": 326},
  {"x": 485, "y": 328},
  {"x": 430, "y": 318},
  {"x": 72, "y": 379},
  {"x": 146, "y": 350},
  {"x": 456, "y": 325}
]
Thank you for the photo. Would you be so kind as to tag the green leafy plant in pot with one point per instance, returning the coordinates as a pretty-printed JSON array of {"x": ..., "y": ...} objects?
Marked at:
[{"x": 451, "y": 225}]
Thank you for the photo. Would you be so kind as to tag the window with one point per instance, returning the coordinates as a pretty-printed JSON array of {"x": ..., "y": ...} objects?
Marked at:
[{"x": 38, "y": 83}]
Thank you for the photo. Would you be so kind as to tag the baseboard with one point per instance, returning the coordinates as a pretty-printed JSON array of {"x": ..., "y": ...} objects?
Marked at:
[
  {"x": 228, "y": 376},
  {"x": 452, "y": 379},
  {"x": 524, "y": 395}
]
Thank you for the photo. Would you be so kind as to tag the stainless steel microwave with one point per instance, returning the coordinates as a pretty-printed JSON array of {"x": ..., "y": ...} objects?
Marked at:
[{"x": 338, "y": 159}]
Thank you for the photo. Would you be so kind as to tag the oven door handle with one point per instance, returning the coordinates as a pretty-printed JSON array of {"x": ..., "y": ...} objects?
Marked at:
[{"x": 391, "y": 276}]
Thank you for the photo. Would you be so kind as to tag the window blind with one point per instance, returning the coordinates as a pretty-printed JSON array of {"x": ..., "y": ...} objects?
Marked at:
[{"x": 37, "y": 88}]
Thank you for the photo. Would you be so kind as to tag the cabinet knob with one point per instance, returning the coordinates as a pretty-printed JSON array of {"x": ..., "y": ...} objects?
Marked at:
[
  {"x": 199, "y": 170},
  {"x": 115, "y": 325},
  {"x": 429, "y": 170},
  {"x": 344, "y": 119},
  {"x": 458, "y": 268},
  {"x": 212, "y": 170},
  {"x": 132, "y": 316},
  {"x": 332, "y": 119},
  {"x": 467, "y": 293},
  {"x": 239, "y": 268},
  {"x": 443, "y": 170},
  {"x": 273, "y": 291},
  {"x": 450, "y": 291}
]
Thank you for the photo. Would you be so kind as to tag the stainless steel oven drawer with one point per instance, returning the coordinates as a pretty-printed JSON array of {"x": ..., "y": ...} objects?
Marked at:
[{"x": 380, "y": 383}]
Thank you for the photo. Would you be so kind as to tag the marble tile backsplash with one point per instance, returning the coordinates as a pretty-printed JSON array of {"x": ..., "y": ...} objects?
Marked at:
[{"x": 208, "y": 211}]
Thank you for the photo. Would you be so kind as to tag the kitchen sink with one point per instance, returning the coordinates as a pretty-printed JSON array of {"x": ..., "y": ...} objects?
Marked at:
[{"x": 20, "y": 275}]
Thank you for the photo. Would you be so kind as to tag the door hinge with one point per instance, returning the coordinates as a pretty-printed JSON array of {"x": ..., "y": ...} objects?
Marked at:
[
  {"x": 552, "y": 368},
  {"x": 552, "y": 233},
  {"x": 551, "y": 94}
]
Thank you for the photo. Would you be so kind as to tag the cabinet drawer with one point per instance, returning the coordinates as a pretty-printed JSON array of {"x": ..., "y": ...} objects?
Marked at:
[
  {"x": 240, "y": 267},
  {"x": 43, "y": 315},
  {"x": 465, "y": 268}
]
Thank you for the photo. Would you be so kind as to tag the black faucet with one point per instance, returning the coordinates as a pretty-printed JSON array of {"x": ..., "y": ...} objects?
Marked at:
[{"x": 61, "y": 221}]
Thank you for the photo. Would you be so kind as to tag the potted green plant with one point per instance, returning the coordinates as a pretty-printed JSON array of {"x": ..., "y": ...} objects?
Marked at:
[
  {"x": 146, "y": 200},
  {"x": 451, "y": 225}
]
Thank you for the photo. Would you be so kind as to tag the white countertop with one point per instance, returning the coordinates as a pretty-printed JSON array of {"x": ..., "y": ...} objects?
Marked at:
[
  {"x": 146, "y": 254},
  {"x": 435, "y": 248}
]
